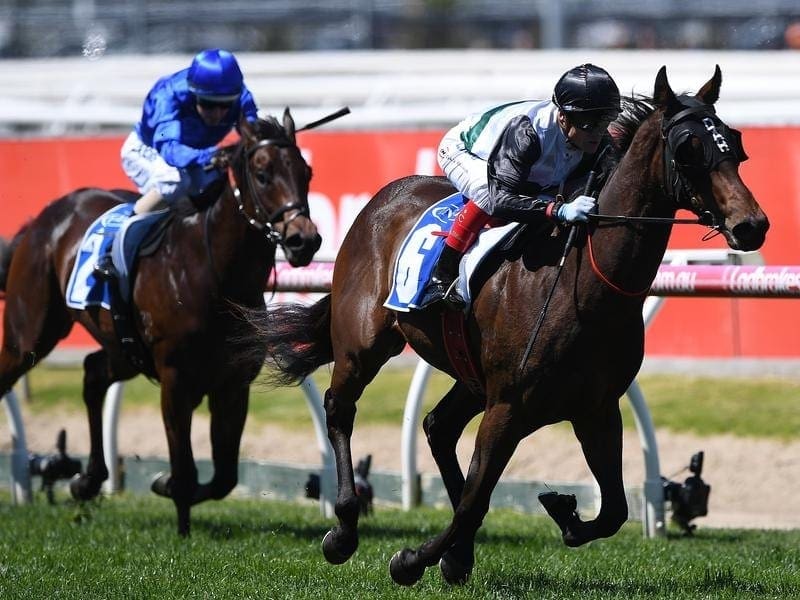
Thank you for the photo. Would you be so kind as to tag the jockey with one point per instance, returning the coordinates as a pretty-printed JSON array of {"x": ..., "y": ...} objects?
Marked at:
[
  {"x": 512, "y": 160},
  {"x": 185, "y": 115}
]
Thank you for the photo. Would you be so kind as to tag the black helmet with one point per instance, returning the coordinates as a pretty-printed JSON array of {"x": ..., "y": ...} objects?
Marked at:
[{"x": 586, "y": 88}]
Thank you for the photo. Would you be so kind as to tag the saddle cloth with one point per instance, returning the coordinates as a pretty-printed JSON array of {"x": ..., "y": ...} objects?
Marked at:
[
  {"x": 421, "y": 249},
  {"x": 114, "y": 231}
]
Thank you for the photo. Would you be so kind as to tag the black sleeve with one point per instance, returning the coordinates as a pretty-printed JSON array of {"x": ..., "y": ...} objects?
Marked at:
[{"x": 512, "y": 196}]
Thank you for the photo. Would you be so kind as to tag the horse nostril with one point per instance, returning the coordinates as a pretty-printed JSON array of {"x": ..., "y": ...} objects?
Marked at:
[
  {"x": 751, "y": 233},
  {"x": 294, "y": 242}
]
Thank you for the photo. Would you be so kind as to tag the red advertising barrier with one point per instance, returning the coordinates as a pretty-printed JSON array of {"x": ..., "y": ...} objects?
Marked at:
[{"x": 349, "y": 167}]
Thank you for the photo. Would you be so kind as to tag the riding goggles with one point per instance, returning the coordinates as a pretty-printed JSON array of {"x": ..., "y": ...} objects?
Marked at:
[
  {"x": 592, "y": 121},
  {"x": 210, "y": 104}
]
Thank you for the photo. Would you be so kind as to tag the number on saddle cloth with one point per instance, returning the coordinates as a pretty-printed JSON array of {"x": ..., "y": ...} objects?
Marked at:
[
  {"x": 84, "y": 288},
  {"x": 422, "y": 247}
]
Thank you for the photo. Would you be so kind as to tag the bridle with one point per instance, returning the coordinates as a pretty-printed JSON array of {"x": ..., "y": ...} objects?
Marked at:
[
  {"x": 677, "y": 183},
  {"x": 264, "y": 220}
]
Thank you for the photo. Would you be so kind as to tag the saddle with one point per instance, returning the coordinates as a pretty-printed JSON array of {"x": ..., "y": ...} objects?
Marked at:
[{"x": 141, "y": 236}]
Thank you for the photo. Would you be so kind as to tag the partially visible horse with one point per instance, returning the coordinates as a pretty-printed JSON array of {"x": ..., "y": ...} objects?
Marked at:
[
  {"x": 590, "y": 345},
  {"x": 183, "y": 297}
]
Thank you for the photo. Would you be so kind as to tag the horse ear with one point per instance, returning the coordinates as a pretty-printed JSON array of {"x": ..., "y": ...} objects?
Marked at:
[
  {"x": 709, "y": 93},
  {"x": 663, "y": 94},
  {"x": 288, "y": 124},
  {"x": 246, "y": 131}
]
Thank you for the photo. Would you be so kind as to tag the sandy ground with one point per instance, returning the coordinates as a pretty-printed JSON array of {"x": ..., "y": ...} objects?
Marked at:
[{"x": 755, "y": 483}]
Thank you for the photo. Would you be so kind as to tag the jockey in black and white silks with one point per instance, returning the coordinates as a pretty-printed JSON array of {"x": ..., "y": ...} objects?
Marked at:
[{"x": 512, "y": 160}]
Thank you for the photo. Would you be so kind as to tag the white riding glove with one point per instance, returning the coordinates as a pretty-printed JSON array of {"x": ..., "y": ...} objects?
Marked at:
[{"x": 577, "y": 210}]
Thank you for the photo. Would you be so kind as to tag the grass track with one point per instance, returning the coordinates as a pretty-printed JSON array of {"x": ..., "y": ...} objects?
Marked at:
[{"x": 126, "y": 547}]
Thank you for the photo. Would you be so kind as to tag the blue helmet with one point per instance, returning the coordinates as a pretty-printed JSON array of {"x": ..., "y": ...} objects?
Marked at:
[{"x": 215, "y": 75}]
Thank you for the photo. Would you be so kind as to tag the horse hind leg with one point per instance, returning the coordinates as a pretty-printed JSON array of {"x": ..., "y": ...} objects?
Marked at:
[
  {"x": 352, "y": 372},
  {"x": 98, "y": 374},
  {"x": 601, "y": 441},
  {"x": 34, "y": 320},
  {"x": 495, "y": 443},
  {"x": 443, "y": 427}
]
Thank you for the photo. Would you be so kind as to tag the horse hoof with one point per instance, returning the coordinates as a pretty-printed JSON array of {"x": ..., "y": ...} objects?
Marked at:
[
  {"x": 560, "y": 507},
  {"x": 401, "y": 571},
  {"x": 80, "y": 489},
  {"x": 335, "y": 552},
  {"x": 453, "y": 571},
  {"x": 162, "y": 485}
]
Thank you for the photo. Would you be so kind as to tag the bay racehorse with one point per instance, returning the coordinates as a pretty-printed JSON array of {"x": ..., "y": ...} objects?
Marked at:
[
  {"x": 671, "y": 152},
  {"x": 183, "y": 294}
]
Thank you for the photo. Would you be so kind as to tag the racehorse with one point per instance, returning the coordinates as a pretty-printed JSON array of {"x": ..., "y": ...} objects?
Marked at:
[
  {"x": 183, "y": 296},
  {"x": 672, "y": 152}
]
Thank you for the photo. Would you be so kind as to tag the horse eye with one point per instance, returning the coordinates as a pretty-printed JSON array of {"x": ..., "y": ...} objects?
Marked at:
[{"x": 261, "y": 177}]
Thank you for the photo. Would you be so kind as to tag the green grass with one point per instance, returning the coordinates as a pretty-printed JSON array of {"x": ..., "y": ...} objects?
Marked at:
[
  {"x": 768, "y": 408},
  {"x": 126, "y": 547}
]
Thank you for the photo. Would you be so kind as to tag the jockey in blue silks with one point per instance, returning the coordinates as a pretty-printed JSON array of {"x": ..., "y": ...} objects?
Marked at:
[
  {"x": 185, "y": 115},
  {"x": 512, "y": 160}
]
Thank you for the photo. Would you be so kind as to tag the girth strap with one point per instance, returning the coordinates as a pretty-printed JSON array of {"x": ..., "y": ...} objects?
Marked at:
[{"x": 456, "y": 342}]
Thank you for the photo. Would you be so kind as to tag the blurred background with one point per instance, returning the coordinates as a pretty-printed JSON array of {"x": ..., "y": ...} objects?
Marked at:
[
  {"x": 46, "y": 28},
  {"x": 75, "y": 73}
]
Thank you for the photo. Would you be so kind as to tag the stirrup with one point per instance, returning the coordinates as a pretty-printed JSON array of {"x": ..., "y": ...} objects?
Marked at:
[{"x": 452, "y": 298}]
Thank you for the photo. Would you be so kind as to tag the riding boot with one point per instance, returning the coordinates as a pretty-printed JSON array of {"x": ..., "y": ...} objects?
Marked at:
[
  {"x": 468, "y": 223},
  {"x": 443, "y": 279}
]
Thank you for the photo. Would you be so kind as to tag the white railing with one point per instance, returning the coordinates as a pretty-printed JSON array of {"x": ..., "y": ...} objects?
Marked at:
[{"x": 394, "y": 89}]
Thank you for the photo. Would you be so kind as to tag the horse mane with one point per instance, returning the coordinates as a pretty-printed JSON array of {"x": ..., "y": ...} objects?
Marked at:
[
  {"x": 635, "y": 111},
  {"x": 270, "y": 129}
]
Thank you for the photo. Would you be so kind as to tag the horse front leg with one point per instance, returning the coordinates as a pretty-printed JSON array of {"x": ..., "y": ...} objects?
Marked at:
[
  {"x": 228, "y": 409},
  {"x": 96, "y": 380},
  {"x": 178, "y": 399},
  {"x": 496, "y": 441},
  {"x": 600, "y": 436}
]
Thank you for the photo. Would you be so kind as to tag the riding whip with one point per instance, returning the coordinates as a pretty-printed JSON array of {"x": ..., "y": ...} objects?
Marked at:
[{"x": 573, "y": 232}]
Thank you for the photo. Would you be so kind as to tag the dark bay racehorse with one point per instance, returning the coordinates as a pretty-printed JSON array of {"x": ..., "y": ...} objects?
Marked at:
[
  {"x": 674, "y": 153},
  {"x": 208, "y": 261}
]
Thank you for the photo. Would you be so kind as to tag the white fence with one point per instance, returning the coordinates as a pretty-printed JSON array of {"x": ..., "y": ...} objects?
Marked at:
[{"x": 387, "y": 89}]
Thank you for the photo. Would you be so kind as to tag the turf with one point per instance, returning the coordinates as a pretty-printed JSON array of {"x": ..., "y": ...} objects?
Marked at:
[{"x": 126, "y": 547}]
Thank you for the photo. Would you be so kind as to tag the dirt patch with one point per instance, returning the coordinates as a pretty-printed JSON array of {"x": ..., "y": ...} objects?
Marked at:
[{"x": 755, "y": 483}]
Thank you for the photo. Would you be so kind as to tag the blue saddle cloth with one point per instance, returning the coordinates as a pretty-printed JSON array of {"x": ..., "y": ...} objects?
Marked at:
[
  {"x": 422, "y": 247},
  {"x": 114, "y": 231}
]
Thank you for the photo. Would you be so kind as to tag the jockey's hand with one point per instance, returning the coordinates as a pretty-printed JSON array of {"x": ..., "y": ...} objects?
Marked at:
[
  {"x": 220, "y": 161},
  {"x": 577, "y": 210}
]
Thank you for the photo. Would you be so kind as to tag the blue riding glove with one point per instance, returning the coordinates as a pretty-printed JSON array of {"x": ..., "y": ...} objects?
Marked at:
[{"x": 577, "y": 210}]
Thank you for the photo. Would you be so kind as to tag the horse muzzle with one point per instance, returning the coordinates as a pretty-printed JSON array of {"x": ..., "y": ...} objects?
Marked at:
[
  {"x": 748, "y": 234},
  {"x": 300, "y": 249}
]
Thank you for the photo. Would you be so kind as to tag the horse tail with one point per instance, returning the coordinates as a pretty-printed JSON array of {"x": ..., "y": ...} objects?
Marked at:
[{"x": 297, "y": 339}]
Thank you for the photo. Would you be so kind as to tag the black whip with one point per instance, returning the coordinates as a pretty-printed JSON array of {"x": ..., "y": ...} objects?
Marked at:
[
  {"x": 573, "y": 232},
  {"x": 331, "y": 117}
]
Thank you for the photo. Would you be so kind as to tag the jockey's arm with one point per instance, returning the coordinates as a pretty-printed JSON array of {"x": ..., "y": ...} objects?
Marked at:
[{"x": 511, "y": 195}]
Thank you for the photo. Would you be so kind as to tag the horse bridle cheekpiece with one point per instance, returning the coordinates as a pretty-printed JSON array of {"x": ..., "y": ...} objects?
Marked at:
[
  {"x": 263, "y": 220},
  {"x": 720, "y": 143}
]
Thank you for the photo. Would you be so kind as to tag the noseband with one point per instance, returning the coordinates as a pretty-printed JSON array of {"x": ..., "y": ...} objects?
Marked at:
[{"x": 263, "y": 220}]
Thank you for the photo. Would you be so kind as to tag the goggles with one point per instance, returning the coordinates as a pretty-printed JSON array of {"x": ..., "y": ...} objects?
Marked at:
[
  {"x": 210, "y": 104},
  {"x": 592, "y": 120}
]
